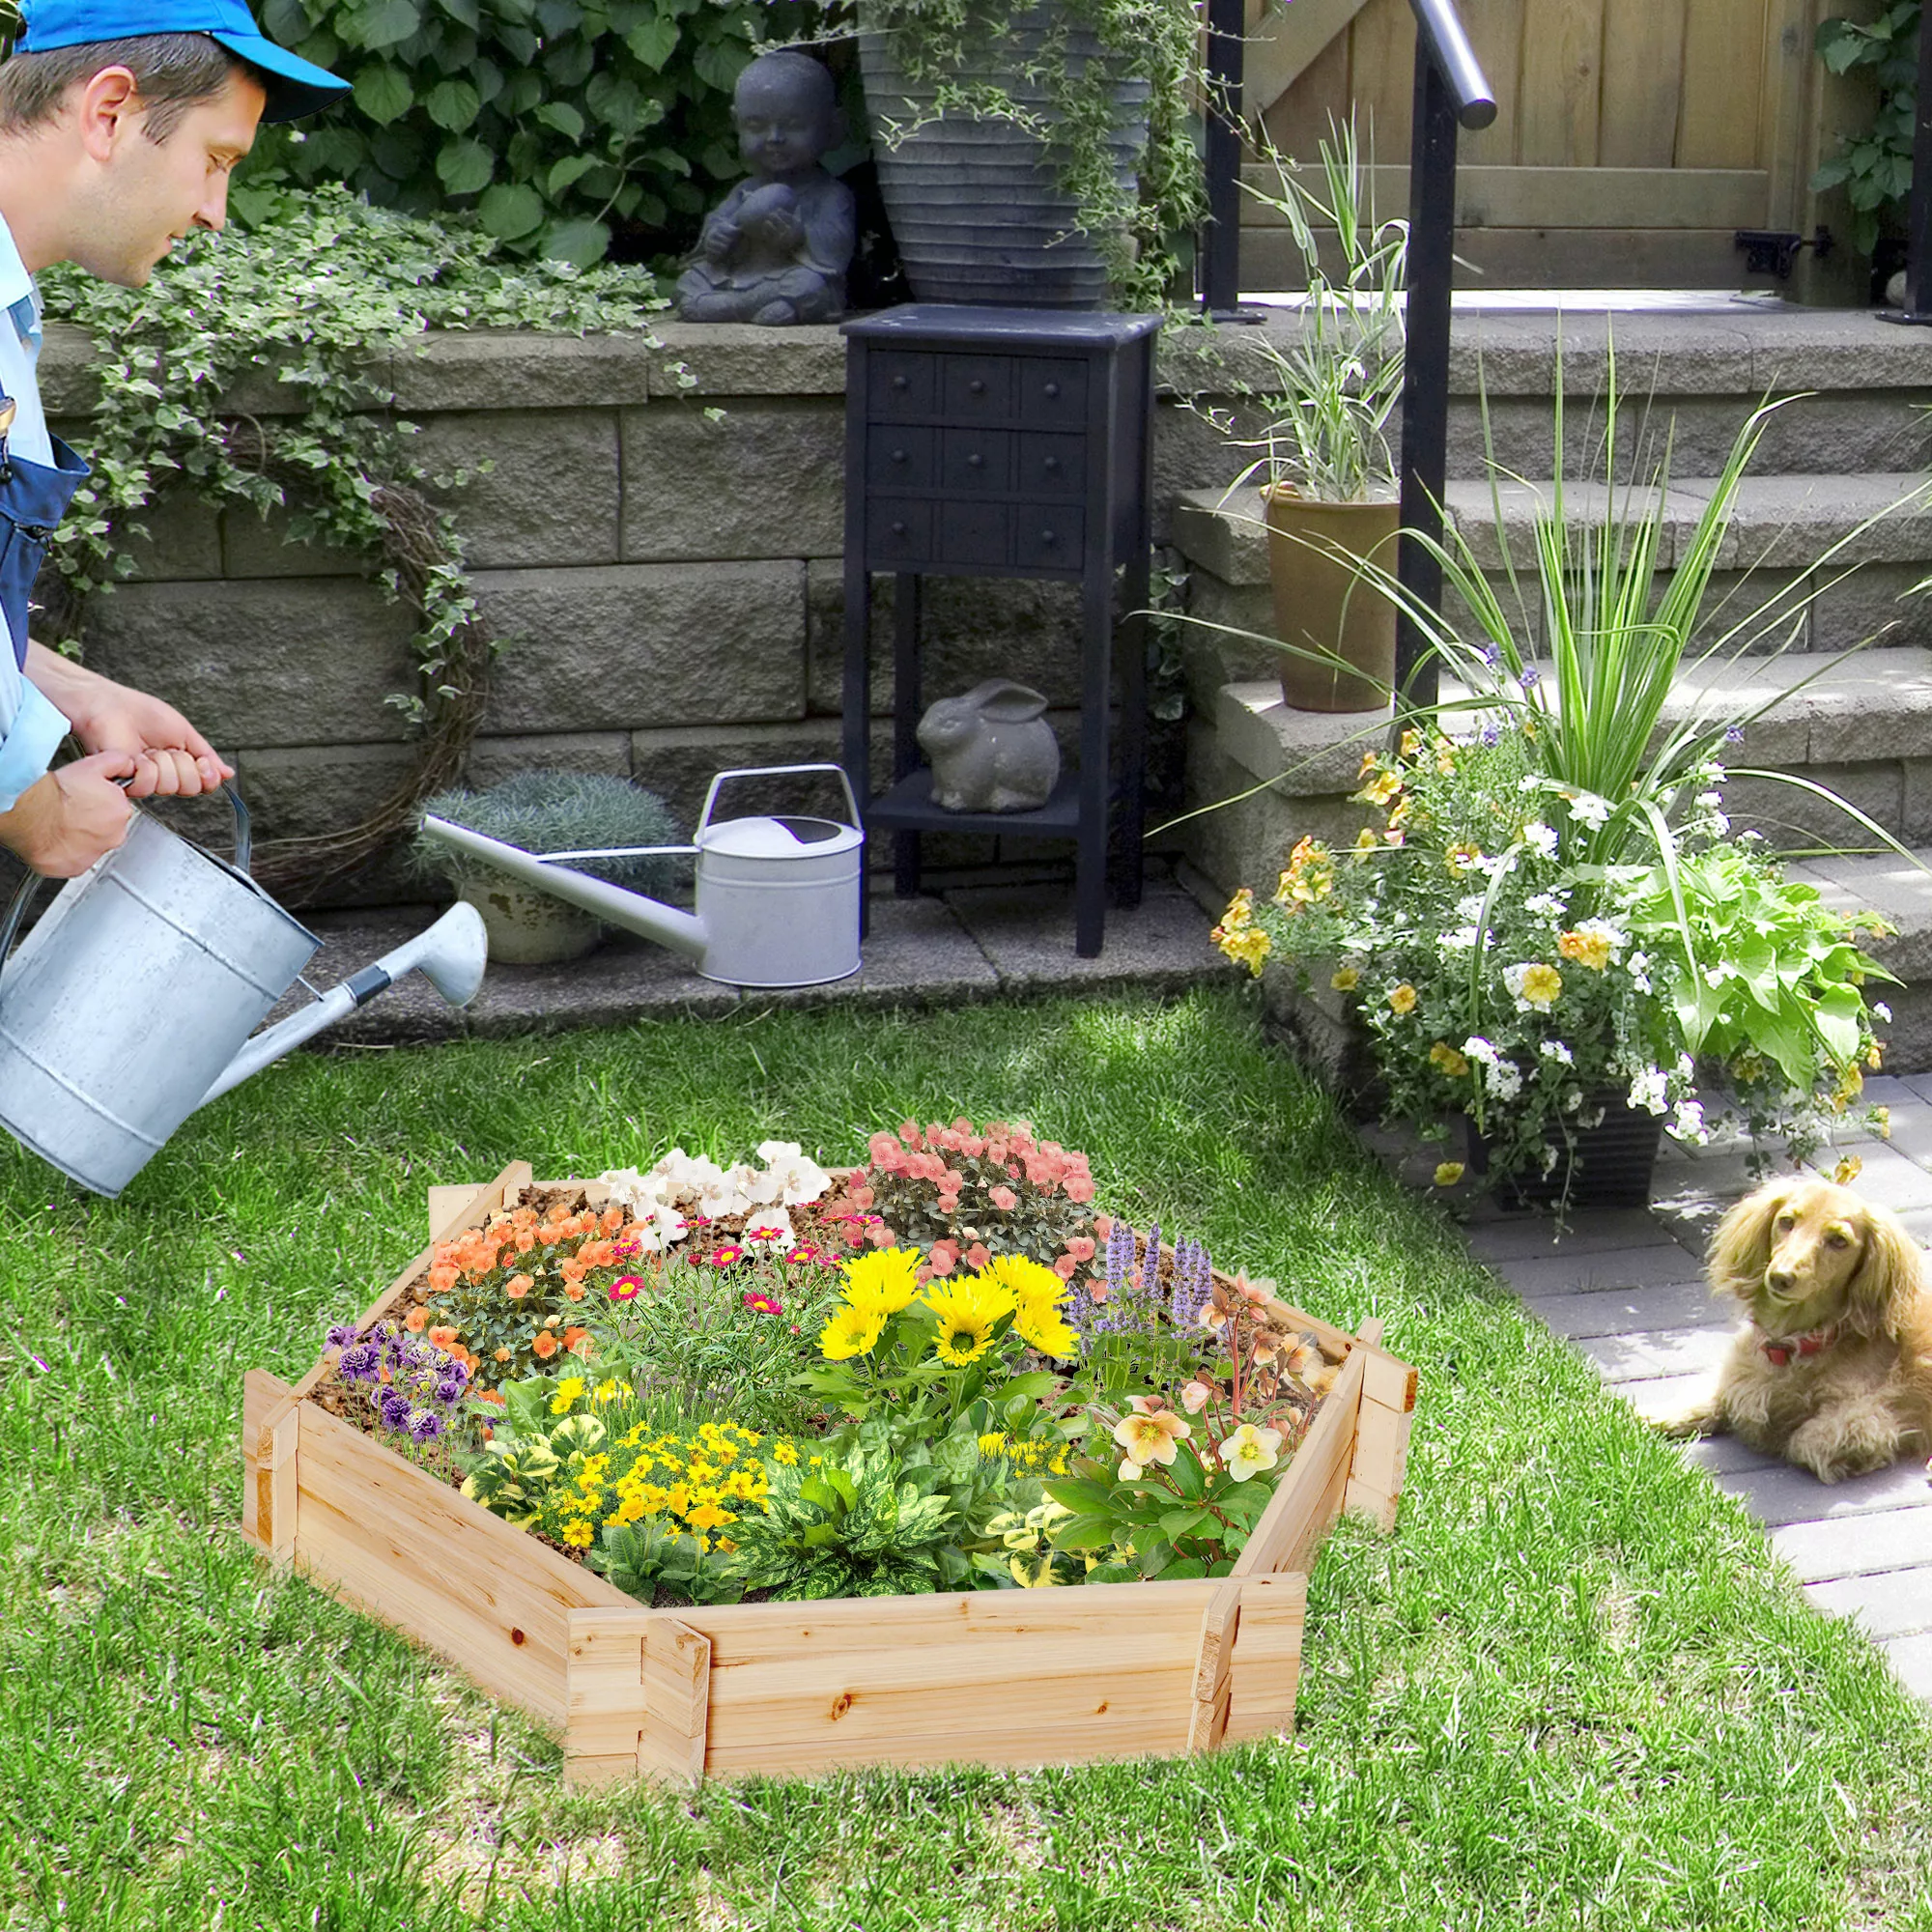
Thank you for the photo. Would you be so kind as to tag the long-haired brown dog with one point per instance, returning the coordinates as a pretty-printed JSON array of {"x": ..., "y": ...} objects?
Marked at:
[{"x": 1834, "y": 1369}]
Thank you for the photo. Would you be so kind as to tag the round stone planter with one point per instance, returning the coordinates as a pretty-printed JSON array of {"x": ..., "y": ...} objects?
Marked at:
[{"x": 531, "y": 928}]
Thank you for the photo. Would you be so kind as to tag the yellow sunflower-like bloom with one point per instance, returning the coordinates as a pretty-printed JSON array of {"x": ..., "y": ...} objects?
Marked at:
[
  {"x": 1027, "y": 1280},
  {"x": 1401, "y": 999},
  {"x": 1042, "y": 1328},
  {"x": 967, "y": 1311},
  {"x": 851, "y": 1331},
  {"x": 883, "y": 1282},
  {"x": 1448, "y": 1173}
]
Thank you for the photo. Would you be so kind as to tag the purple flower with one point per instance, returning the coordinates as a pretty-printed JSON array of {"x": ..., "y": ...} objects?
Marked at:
[
  {"x": 361, "y": 1363},
  {"x": 392, "y": 1406},
  {"x": 424, "y": 1424},
  {"x": 342, "y": 1335},
  {"x": 1527, "y": 677},
  {"x": 1734, "y": 734},
  {"x": 450, "y": 1390},
  {"x": 1119, "y": 1258},
  {"x": 1150, "y": 1267},
  {"x": 1492, "y": 735}
]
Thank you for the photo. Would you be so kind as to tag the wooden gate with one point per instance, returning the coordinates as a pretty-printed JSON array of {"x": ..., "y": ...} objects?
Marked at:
[{"x": 1633, "y": 137}]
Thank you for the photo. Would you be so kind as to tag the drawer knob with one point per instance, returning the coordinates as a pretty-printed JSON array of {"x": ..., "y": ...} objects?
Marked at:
[
  {"x": 898, "y": 456},
  {"x": 898, "y": 382},
  {"x": 1053, "y": 466},
  {"x": 975, "y": 460},
  {"x": 1048, "y": 538},
  {"x": 898, "y": 530},
  {"x": 977, "y": 386},
  {"x": 1052, "y": 390}
]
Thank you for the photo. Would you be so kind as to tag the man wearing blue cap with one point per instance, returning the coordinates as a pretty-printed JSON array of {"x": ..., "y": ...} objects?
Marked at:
[{"x": 120, "y": 121}]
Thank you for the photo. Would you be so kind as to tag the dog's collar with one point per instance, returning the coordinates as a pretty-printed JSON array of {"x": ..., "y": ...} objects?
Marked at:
[{"x": 1779, "y": 1349}]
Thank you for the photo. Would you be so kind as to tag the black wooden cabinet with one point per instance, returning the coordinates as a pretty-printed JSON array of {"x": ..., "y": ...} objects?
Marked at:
[{"x": 1003, "y": 442}]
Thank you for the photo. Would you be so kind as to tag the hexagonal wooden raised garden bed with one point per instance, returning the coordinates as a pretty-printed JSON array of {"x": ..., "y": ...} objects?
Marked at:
[{"x": 1052, "y": 1676}]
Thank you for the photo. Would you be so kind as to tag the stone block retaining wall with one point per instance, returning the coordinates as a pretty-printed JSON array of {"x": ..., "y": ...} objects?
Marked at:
[{"x": 669, "y": 579}]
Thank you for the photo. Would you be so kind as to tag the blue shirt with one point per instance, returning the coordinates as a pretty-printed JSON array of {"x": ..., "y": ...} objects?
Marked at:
[{"x": 31, "y": 730}]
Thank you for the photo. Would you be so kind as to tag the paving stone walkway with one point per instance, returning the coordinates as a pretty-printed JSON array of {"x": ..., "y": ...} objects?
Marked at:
[{"x": 1627, "y": 1290}]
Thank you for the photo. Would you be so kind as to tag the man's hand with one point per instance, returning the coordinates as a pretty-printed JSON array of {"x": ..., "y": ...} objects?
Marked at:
[
  {"x": 60, "y": 824},
  {"x": 168, "y": 756}
]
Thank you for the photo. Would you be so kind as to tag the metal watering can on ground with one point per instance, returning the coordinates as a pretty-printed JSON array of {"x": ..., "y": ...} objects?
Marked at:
[
  {"x": 132, "y": 1001},
  {"x": 778, "y": 898}
]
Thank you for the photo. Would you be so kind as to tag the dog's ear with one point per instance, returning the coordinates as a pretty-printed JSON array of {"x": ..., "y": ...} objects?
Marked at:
[
  {"x": 1740, "y": 1248},
  {"x": 1891, "y": 1272}
]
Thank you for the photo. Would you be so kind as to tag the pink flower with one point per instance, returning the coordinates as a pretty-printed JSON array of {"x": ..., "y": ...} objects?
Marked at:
[
  {"x": 1194, "y": 1397},
  {"x": 625, "y": 1288},
  {"x": 1063, "y": 1267},
  {"x": 977, "y": 1256},
  {"x": 879, "y": 1234},
  {"x": 763, "y": 1304},
  {"x": 1080, "y": 1188},
  {"x": 1098, "y": 1292},
  {"x": 882, "y": 1146},
  {"x": 862, "y": 1198},
  {"x": 949, "y": 1204},
  {"x": 1103, "y": 1226},
  {"x": 974, "y": 1145},
  {"x": 962, "y": 1125},
  {"x": 945, "y": 1257},
  {"x": 1080, "y": 1247},
  {"x": 996, "y": 1152},
  {"x": 909, "y": 1133},
  {"x": 1004, "y": 1199},
  {"x": 1013, "y": 1171}
]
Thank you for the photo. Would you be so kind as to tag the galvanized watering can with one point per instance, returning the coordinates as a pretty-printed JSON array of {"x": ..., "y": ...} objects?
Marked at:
[
  {"x": 778, "y": 898},
  {"x": 132, "y": 1001}
]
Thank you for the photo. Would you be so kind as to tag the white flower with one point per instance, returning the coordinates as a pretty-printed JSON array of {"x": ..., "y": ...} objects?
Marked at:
[
  {"x": 1469, "y": 907},
  {"x": 1554, "y": 1049},
  {"x": 1881, "y": 1012},
  {"x": 1538, "y": 835},
  {"x": 1504, "y": 1080},
  {"x": 1647, "y": 1090},
  {"x": 1688, "y": 1125},
  {"x": 1710, "y": 800},
  {"x": 771, "y": 1226},
  {"x": 1588, "y": 809},
  {"x": 1639, "y": 971},
  {"x": 1478, "y": 1048},
  {"x": 1461, "y": 940},
  {"x": 1573, "y": 1098},
  {"x": 1550, "y": 905}
]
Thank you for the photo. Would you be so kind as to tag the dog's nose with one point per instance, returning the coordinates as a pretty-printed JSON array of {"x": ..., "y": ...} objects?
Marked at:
[{"x": 1780, "y": 1281}]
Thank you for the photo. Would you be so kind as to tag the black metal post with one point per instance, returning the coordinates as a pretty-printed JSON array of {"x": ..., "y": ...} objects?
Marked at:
[
  {"x": 1424, "y": 382},
  {"x": 1919, "y": 209},
  {"x": 1221, "y": 238}
]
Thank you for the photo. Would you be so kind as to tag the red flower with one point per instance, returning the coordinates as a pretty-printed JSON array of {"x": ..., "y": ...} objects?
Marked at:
[
  {"x": 764, "y": 1303},
  {"x": 726, "y": 1257},
  {"x": 625, "y": 1288}
]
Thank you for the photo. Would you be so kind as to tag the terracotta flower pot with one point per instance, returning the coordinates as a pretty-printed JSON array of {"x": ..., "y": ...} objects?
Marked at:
[
  {"x": 531, "y": 928},
  {"x": 1323, "y": 607}
]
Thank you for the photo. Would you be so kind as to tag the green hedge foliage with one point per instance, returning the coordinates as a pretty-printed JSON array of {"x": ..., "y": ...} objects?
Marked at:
[{"x": 559, "y": 122}]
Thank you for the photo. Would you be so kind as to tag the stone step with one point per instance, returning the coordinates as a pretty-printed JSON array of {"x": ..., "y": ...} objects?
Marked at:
[
  {"x": 1851, "y": 389},
  {"x": 1809, "y": 564}
]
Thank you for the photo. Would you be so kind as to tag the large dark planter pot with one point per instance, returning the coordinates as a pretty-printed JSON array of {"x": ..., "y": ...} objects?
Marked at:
[
  {"x": 1609, "y": 1165},
  {"x": 1342, "y": 628},
  {"x": 976, "y": 207}
]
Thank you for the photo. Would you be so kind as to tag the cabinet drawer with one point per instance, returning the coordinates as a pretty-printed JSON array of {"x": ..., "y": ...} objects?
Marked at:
[
  {"x": 975, "y": 533},
  {"x": 1053, "y": 466},
  {"x": 897, "y": 534},
  {"x": 900, "y": 385},
  {"x": 900, "y": 459},
  {"x": 1048, "y": 539},
  {"x": 1053, "y": 389},
  {"x": 977, "y": 461},
  {"x": 975, "y": 386}
]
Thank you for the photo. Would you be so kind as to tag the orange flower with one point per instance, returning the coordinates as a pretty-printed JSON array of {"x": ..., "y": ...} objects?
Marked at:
[
  {"x": 574, "y": 1289},
  {"x": 526, "y": 1240},
  {"x": 502, "y": 1354},
  {"x": 493, "y": 1395},
  {"x": 545, "y": 1345},
  {"x": 572, "y": 1270},
  {"x": 442, "y": 1278},
  {"x": 443, "y": 1337},
  {"x": 414, "y": 1321},
  {"x": 518, "y": 1285},
  {"x": 614, "y": 1218},
  {"x": 577, "y": 1341}
]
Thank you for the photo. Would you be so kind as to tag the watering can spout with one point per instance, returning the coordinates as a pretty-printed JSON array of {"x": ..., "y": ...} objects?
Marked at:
[
  {"x": 450, "y": 955},
  {"x": 681, "y": 931}
]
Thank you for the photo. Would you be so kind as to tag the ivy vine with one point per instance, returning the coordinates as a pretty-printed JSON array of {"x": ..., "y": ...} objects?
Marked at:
[
  {"x": 1875, "y": 168},
  {"x": 321, "y": 293}
]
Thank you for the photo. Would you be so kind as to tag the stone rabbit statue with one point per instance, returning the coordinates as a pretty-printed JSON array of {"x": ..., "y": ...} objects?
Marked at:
[{"x": 992, "y": 748}]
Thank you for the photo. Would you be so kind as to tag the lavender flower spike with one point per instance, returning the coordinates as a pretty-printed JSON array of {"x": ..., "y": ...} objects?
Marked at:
[
  {"x": 1120, "y": 1257},
  {"x": 1150, "y": 1267}
]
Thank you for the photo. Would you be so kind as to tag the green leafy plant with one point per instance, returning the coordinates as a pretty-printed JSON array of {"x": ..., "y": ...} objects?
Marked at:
[
  {"x": 1336, "y": 385},
  {"x": 655, "y": 1562},
  {"x": 315, "y": 296},
  {"x": 553, "y": 123},
  {"x": 1146, "y": 72},
  {"x": 862, "y": 1525},
  {"x": 1875, "y": 168}
]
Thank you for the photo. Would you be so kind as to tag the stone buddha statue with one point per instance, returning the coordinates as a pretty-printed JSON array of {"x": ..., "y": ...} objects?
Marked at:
[{"x": 775, "y": 250}]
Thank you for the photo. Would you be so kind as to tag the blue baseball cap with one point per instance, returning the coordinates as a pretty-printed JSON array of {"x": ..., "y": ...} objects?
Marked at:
[{"x": 294, "y": 86}]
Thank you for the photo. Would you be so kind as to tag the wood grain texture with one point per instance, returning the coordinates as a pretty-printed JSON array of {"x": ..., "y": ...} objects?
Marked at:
[
  {"x": 262, "y": 1396},
  {"x": 1562, "y": 83},
  {"x": 677, "y": 1683},
  {"x": 1213, "y": 1668},
  {"x": 1381, "y": 1456},
  {"x": 1643, "y": 82},
  {"x": 1306, "y": 1500},
  {"x": 604, "y": 1691},
  {"x": 1723, "y": 85},
  {"x": 1381, "y": 76},
  {"x": 1495, "y": 32},
  {"x": 1302, "y": 117},
  {"x": 276, "y": 1477},
  {"x": 1266, "y": 1669},
  {"x": 1283, "y": 42}
]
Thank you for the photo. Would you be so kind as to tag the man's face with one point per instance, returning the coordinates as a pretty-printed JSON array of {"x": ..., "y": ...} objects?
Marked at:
[{"x": 150, "y": 195}]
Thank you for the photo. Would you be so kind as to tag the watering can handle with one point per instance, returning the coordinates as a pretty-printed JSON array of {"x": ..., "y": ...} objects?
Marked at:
[
  {"x": 24, "y": 894},
  {"x": 774, "y": 771}
]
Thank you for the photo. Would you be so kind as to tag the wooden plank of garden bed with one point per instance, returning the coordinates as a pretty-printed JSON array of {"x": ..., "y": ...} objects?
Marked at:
[
  {"x": 1048, "y": 1676},
  {"x": 1266, "y": 1666},
  {"x": 1310, "y": 1496},
  {"x": 388, "y": 1537}
]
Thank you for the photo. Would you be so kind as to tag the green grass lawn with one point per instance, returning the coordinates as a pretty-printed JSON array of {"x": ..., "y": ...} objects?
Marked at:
[{"x": 1569, "y": 1690}]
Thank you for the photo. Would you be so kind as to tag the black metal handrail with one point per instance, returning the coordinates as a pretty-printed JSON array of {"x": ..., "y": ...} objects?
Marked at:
[{"x": 1451, "y": 93}]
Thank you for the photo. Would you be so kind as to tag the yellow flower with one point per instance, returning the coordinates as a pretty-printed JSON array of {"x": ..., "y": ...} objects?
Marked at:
[
  {"x": 1250, "y": 1450},
  {"x": 1366, "y": 840},
  {"x": 784, "y": 1453},
  {"x": 1445, "y": 1057},
  {"x": 607, "y": 1391},
  {"x": 579, "y": 1536},
  {"x": 708, "y": 1516},
  {"x": 1401, "y": 999},
  {"x": 1346, "y": 979},
  {"x": 1534, "y": 983},
  {"x": 1448, "y": 1173},
  {"x": 883, "y": 1282},
  {"x": 1247, "y": 946},
  {"x": 851, "y": 1331},
  {"x": 1882, "y": 1123},
  {"x": 968, "y": 1310},
  {"x": 1380, "y": 789},
  {"x": 1026, "y": 1280},
  {"x": 1464, "y": 858},
  {"x": 993, "y": 1442},
  {"x": 1042, "y": 1328},
  {"x": 1848, "y": 1170},
  {"x": 567, "y": 1392},
  {"x": 1151, "y": 1437}
]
